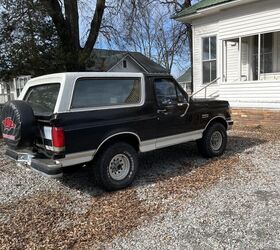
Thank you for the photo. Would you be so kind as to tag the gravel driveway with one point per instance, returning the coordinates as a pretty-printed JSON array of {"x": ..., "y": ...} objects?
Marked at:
[{"x": 178, "y": 201}]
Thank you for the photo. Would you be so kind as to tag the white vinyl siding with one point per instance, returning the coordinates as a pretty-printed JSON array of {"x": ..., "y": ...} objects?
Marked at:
[
  {"x": 250, "y": 19},
  {"x": 131, "y": 66},
  {"x": 243, "y": 21},
  {"x": 199, "y": 32}
]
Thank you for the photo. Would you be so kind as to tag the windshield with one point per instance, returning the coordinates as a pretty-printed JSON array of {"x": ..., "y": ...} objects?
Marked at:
[{"x": 42, "y": 98}]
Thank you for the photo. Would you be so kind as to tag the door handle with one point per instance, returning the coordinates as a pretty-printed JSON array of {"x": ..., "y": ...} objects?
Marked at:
[{"x": 162, "y": 111}]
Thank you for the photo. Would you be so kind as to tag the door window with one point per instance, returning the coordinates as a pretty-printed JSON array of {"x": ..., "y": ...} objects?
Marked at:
[{"x": 167, "y": 93}]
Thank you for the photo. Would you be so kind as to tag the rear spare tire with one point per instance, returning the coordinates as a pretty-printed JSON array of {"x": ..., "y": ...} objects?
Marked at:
[{"x": 17, "y": 124}]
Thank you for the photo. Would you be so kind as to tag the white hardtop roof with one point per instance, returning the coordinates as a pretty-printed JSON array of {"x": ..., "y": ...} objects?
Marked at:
[{"x": 73, "y": 75}]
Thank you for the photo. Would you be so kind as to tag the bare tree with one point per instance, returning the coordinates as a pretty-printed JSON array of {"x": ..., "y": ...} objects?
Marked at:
[
  {"x": 74, "y": 28},
  {"x": 145, "y": 26},
  {"x": 65, "y": 17},
  {"x": 178, "y": 6}
]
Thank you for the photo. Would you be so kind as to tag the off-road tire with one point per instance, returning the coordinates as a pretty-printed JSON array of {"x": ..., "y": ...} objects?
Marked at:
[
  {"x": 101, "y": 166},
  {"x": 205, "y": 146}
]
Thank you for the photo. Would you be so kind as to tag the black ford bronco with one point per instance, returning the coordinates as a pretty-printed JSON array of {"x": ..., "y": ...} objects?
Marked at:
[{"x": 105, "y": 120}]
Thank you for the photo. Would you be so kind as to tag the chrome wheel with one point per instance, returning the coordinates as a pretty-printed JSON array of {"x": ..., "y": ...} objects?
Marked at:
[
  {"x": 119, "y": 167},
  {"x": 216, "y": 140}
]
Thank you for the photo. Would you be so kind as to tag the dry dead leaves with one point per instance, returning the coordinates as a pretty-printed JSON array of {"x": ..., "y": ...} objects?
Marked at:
[{"x": 48, "y": 220}]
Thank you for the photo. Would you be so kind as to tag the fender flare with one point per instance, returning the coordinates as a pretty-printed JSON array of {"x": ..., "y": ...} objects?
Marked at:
[
  {"x": 220, "y": 117},
  {"x": 115, "y": 135}
]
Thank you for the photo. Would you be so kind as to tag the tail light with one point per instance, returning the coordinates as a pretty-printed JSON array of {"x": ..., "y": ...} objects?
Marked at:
[{"x": 58, "y": 139}]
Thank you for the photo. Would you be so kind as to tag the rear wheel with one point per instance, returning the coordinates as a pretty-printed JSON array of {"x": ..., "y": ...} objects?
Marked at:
[
  {"x": 116, "y": 166},
  {"x": 214, "y": 141}
]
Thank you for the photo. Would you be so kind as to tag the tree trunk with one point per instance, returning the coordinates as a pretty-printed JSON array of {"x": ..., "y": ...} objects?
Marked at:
[{"x": 67, "y": 26}]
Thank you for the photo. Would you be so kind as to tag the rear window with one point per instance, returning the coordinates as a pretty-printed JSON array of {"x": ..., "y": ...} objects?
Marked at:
[
  {"x": 42, "y": 98},
  {"x": 106, "y": 92}
]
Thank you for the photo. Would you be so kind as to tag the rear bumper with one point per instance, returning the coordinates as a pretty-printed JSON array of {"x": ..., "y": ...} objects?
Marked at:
[{"x": 47, "y": 167}]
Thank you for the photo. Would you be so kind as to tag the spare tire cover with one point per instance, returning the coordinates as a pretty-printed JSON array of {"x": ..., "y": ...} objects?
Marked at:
[{"x": 17, "y": 124}]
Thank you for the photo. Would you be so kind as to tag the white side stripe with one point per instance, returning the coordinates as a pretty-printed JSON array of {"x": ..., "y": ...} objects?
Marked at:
[
  {"x": 145, "y": 146},
  {"x": 162, "y": 142}
]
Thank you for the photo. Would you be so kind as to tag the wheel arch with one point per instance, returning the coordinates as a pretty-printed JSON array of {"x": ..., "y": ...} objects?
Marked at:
[
  {"x": 129, "y": 137},
  {"x": 217, "y": 119}
]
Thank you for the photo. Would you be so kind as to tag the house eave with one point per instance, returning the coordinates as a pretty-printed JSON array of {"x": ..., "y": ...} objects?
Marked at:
[{"x": 211, "y": 10}]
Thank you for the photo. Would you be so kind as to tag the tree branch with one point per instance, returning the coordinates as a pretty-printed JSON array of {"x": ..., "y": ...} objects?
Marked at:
[
  {"x": 54, "y": 9},
  {"x": 95, "y": 26}
]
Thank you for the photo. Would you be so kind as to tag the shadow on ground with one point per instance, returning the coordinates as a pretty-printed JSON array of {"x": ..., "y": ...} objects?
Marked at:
[
  {"x": 72, "y": 221},
  {"x": 162, "y": 164}
]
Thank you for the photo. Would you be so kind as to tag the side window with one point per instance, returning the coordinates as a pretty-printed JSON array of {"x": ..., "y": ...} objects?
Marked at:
[
  {"x": 42, "y": 98},
  {"x": 106, "y": 92},
  {"x": 167, "y": 93}
]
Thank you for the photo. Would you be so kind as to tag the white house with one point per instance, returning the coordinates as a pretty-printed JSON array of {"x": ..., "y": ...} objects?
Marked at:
[
  {"x": 11, "y": 90},
  {"x": 185, "y": 80},
  {"x": 238, "y": 42}
]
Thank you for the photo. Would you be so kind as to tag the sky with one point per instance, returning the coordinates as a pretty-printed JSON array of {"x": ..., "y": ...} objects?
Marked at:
[{"x": 87, "y": 8}]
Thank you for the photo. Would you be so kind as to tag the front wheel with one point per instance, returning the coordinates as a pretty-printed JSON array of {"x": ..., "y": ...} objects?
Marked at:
[
  {"x": 116, "y": 166},
  {"x": 214, "y": 141}
]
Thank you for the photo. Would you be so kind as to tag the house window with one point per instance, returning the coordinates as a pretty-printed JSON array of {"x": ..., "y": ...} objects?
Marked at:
[
  {"x": 124, "y": 64},
  {"x": 267, "y": 53},
  {"x": 209, "y": 58},
  {"x": 252, "y": 58}
]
